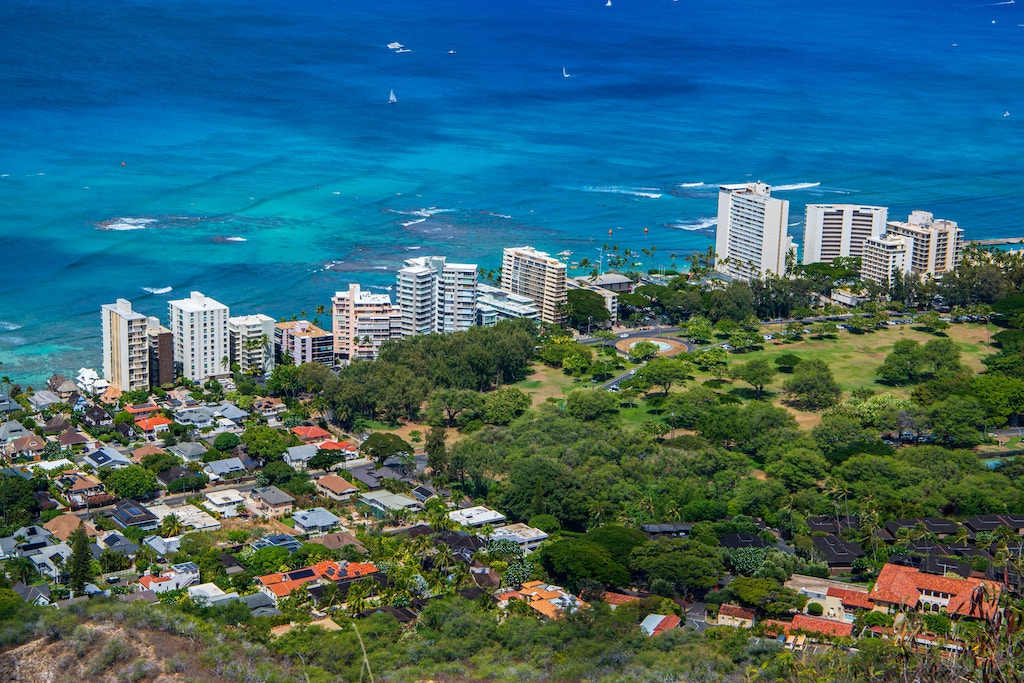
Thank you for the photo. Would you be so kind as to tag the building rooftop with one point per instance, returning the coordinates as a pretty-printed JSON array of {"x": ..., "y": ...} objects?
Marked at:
[{"x": 196, "y": 303}]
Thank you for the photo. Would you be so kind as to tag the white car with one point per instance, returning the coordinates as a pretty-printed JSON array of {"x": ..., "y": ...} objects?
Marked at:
[{"x": 623, "y": 336}]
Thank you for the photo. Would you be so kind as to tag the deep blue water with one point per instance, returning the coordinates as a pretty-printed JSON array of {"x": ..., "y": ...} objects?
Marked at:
[{"x": 268, "y": 120}]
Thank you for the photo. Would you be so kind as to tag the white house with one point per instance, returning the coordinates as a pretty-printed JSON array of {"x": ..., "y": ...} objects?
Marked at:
[
  {"x": 299, "y": 456},
  {"x": 523, "y": 535},
  {"x": 178, "y": 576},
  {"x": 477, "y": 516},
  {"x": 224, "y": 503}
]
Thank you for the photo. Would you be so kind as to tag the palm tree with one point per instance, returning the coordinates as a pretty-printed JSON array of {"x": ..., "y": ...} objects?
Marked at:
[
  {"x": 19, "y": 569},
  {"x": 170, "y": 526},
  {"x": 358, "y": 598},
  {"x": 445, "y": 558}
]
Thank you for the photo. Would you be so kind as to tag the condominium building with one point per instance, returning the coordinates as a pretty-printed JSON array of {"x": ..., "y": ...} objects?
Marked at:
[
  {"x": 435, "y": 296},
  {"x": 251, "y": 339},
  {"x": 362, "y": 322},
  {"x": 161, "y": 353},
  {"x": 493, "y": 304},
  {"x": 751, "y": 240},
  {"x": 539, "y": 276},
  {"x": 885, "y": 256},
  {"x": 304, "y": 342},
  {"x": 125, "y": 346},
  {"x": 834, "y": 230},
  {"x": 199, "y": 326},
  {"x": 937, "y": 243}
]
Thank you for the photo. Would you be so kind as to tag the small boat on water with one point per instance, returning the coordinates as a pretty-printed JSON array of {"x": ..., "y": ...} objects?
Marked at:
[
  {"x": 566, "y": 74},
  {"x": 451, "y": 52},
  {"x": 608, "y": 4},
  {"x": 391, "y": 98},
  {"x": 395, "y": 46}
]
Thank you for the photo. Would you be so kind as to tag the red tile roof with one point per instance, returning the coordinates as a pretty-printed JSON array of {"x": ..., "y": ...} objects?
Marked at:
[
  {"x": 337, "y": 446},
  {"x": 148, "y": 581},
  {"x": 667, "y": 624},
  {"x": 143, "y": 408},
  {"x": 282, "y": 583},
  {"x": 336, "y": 485},
  {"x": 904, "y": 586},
  {"x": 150, "y": 423},
  {"x": 851, "y": 598},
  {"x": 736, "y": 612},
  {"x": 617, "y": 598},
  {"x": 313, "y": 433}
]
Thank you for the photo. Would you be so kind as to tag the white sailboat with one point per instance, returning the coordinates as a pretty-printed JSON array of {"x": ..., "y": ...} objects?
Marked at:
[
  {"x": 566, "y": 74},
  {"x": 608, "y": 4},
  {"x": 392, "y": 99}
]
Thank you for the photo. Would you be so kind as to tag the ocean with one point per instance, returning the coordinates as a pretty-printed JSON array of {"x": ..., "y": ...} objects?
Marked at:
[{"x": 248, "y": 150}]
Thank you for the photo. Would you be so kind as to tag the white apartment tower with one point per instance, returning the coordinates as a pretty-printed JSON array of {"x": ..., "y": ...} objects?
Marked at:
[
  {"x": 751, "y": 240},
  {"x": 362, "y": 322},
  {"x": 199, "y": 326},
  {"x": 884, "y": 257},
  {"x": 834, "y": 230},
  {"x": 538, "y": 276},
  {"x": 125, "y": 346},
  {"x": 251, "y": 339},
  {"x": 937, "y": 243},
  {"x": 435, "y": 296}
]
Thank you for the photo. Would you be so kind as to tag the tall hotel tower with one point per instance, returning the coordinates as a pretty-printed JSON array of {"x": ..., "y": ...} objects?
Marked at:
[
  {"x": 833, "y": 230},
  {"x": 751, "y": 240}
]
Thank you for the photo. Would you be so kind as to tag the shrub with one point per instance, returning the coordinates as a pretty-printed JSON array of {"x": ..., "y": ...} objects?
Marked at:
[{"x": 815, "y": 609}]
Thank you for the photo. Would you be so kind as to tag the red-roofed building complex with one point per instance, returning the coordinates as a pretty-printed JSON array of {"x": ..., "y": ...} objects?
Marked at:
[
  {"x": 737, "y": 617},
  {"x": 281, "y": 584},
  {"x": 154, "y": 425},
  {"x": 899, "y": 588},
  {"x": 311, "y": 434}
]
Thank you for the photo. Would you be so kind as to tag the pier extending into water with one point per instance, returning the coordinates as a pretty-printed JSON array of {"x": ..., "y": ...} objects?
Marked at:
[{"x": 996, "y": 242}]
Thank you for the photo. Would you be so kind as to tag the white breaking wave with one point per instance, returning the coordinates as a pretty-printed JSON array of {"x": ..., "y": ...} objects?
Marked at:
[
  {"x": 695, "y": 225},
  {"x": 423, "y": 213},
  {"x": 794, "y": 186},
  {"x": 125, "y": 223},
  {"x": 691, "y": 184},
  {"x": 645, "y": 192},
  {"x": 7, "y": 326},
  {"x": 158, "y": 290},
  {"x": 379, "y": 268},
  {"x": 406, "y": 224},
  {"x": 235, "y": 239},
  {"x": 412, "y": 248}
]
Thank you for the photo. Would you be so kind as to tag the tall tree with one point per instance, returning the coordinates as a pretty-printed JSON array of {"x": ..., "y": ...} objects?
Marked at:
[
  {"x": 80, "y": 564},
  {"x": 757, "y": 373}
]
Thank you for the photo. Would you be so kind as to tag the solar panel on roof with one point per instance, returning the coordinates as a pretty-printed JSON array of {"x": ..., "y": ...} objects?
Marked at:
[{"x": 301, "y": 574}]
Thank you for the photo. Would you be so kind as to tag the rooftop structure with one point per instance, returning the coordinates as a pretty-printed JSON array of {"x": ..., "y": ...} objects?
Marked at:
[
  {"x": 477, "y": 516},
  {"x": 936, "y": 243},
  {"x": 199, "y": 326},
  {"x": 493, "y": 304},
  {"x": 304, "y": 342},
  {"x": 251, "y": 340},
  {"x": 435, "y": 296},
  {"x": 362, "y": 322},
  {"x": 751, "y": 239},
  {"x": 835, "y": 230}
]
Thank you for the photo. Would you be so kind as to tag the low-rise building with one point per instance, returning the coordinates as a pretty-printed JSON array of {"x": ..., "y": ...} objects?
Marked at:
[
  {"x": 106, "y": 458},
  {"x": 226, "y": 468},
  {"x": 550, "y": 601},
  {"x": 525, "y": 536},
  {"x": 659, "y": 624},
  {"x": 225, "y": 503},
  {"x": 272, "y": 501},
  {"x": 898, "y": 588},
  {"x": 177, "y": 577},
  {"x": 130, "y": 513},
  {"x": 299, "y": 456},
  {"x": 737, "y": 617},
  {"x": 315, "y": 520},
  {"x": 336, "y": 488},
  {"x": 188, "y": 451},
  {"x": 382, "y": 503},
  {"x": 189, "y": 515},
  {"x": 477, "y": 516}
]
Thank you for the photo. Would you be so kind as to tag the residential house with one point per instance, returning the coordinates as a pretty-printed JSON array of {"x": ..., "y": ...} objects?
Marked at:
[
  {"x": 229, "y": 468},
  {"x": 476, "y": 517},
  {"x": 11, "y": 430},
  {"x": 268, "y": 407},
  {"x": 97, "y": 417},
  {"x": 142, "y": 410},
  {"x": 315, "y": 520},
  {"x": 261, "y": 605},
  {"x": 153, "y": 426},
  {"x": 550, "y": 601},
  {"x": 72, "y": 438},
  {"x": 339, "y": 540},
  {"x": 188, "y": 451},
  {"x": 299, "y": 456},
  {"x": 225, "y": 503},
  {"x": 938, "y": 526},
  {"x": 106, "y": 458},
  {"x": 983, "y": 523},
  {"x": 838, "y": 553},
  {"x": 373, "y": 476},
  {"x": 737, "y": 617},
  {"x": 898, "y": 588},
  {"x": 198, "y": 418},
  {"x": 673, "y": 530},
  {"x": 79, "y": 488},
  {"x": 8, "y": 404},
  {"x": 50, "y": 560},
  {"x": 177, "y": 577},
  {"x": 311, "y": 434},
  {"x": 163, "y": 547},
  {"x": 381, "y": 503},
  {"x": 189, "y": 515},
  {"x": 289, "y": 543},
  {"x": 116, "y": 543},
  {"x": 41, "y": 400},
  {"x": 281, "y": 584},
  {"x": 63, "y": 526},
  {"x": 816, "y": 626},
  {"x": 271, "y": 501},
  {"x": 56, "y": 425},
  {"x": 741, "y": 540},
  {"x": 230, "y": 411},
  {"x": 139, "y": 453},
  {"x": 210, "y": 594},
  {"x": 168, "y": 477},
  {"x": 345, "y": 448},
  {"x": 30, "y": 446},
  {"x": 336, "y": 488},
  {"x": 843, "y": 604},
  {"x": 129, "y": 513},
  {"x": 525, "y": 536},
  {"x": 36, "y": 595},
  {"x": 659, "y": 624}
]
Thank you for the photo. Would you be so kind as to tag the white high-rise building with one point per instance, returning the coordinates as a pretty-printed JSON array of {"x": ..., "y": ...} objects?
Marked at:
[
  {"x": 125, "y": 346},
  {"x": 751, "y": 240},
  {"x": 199, "y": 326},
  {"x": 834, "y": 230},
  {"x": 251, "y": 339},
  {"x": 937, "y": 243},
  {"x": 538, "y": 276},
  {"x": 884, "y": 257},
  {"x": 435, "y": 296},
  {"x": 362, "y": 322}
]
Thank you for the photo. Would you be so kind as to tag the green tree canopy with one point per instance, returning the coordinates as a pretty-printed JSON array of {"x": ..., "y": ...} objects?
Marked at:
[{"x": 133, "y": 481}]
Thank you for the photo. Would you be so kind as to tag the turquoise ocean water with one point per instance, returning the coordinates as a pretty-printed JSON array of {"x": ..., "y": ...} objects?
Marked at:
[{"x": 268, "y": 122}]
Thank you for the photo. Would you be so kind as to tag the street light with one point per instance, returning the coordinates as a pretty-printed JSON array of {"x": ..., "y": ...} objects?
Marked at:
[{"x": 590, "y": 319}]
